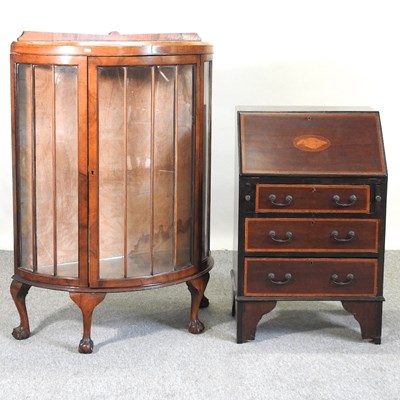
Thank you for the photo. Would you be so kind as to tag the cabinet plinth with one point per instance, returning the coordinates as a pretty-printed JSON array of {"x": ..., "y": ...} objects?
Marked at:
[
  {"x": 310, "y": 213},
  {"x": 111, "y": 160}
]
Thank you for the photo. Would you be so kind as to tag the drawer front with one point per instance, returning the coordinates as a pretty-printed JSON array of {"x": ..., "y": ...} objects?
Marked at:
[
  {"x": 310, "y": 277},
  {"x": 311, "y": 235},
  {"x": 313, "y": 198}
]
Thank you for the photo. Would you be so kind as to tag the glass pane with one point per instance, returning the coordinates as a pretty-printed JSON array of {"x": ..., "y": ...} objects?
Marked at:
[
  {"x": 164, "y": 169},
  {"x": 138, "y": 164},
  {"x": 46, "y": 126},
  {"x": 111, "y": 107},
  {"x": 145, "y": 169},
  {"x": 207, "y": 159},
  {"x": 184, "y": 167},
  {"x": 44, "y": 173},
  {"x": 24, "y": 143},
  {"x": 47, "y": 170},
  {"x": 66, "y": 161}
]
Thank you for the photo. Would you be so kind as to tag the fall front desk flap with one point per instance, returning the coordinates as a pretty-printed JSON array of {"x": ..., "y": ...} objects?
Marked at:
[{"x": 282, "y": 141}]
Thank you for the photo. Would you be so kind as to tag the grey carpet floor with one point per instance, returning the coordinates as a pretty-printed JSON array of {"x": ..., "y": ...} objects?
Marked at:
[{"x": 303, "y": 350}]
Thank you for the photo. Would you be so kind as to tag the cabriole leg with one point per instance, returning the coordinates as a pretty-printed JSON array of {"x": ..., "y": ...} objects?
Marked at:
[
  {"x": 18, "y": 292},
  {"x": 87, "y": 303},
  {"x": 196, "y": 288}
]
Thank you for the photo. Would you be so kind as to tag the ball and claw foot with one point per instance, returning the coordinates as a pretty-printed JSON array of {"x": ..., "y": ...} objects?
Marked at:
[
  {"x": 196, "y": 288},
  {"x": 86, "y": 346},
  {"x": 19, "y": 292},
  {"x": 196, "y": 326},
  {"x": 20, "y": 333}
]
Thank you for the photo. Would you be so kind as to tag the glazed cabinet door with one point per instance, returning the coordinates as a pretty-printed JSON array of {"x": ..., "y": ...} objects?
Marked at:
[
  {"x": 50, "y": 168},
  {"x": 143, "y": 184}
]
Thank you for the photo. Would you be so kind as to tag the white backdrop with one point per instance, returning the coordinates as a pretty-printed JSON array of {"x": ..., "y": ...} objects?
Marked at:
[{"x": 310, "y": 52}]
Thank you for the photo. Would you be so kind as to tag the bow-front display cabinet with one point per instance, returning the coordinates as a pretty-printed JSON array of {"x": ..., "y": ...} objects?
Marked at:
[{"x": 111, "y": 162}]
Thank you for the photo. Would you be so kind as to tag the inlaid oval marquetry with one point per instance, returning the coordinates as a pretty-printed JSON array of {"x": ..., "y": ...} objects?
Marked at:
[{"x": 311, "y": 143}]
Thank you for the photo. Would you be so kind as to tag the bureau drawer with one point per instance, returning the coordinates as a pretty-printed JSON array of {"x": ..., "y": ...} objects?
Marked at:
[
  {"x": 311, "y": 235},
  {"x": 312, "y": 198},
  {"x": 310, "y": 277}
]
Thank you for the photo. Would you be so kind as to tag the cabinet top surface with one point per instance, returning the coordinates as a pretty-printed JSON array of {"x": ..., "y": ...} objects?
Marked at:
[
  {"x": 53, "y": 43},
  {"x": 310, "y": 142}
]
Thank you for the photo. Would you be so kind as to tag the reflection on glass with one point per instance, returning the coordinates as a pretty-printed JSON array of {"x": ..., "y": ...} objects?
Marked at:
[
  {"x": 145, "y": 170},
  {"x": 47, "y": 168}
]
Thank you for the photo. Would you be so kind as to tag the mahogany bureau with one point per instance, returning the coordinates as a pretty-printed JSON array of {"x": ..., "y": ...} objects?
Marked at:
[{"x": 311, "y": 206}]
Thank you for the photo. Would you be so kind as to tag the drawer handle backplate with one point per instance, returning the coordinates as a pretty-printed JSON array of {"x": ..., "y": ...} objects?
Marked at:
[
  {"x": 352, "y": 201},
  {"x": 288, "y": 237},
  {"x": 288, "y": 200},
  {"x": 350, "y": 236},
  {"x": 336, "y": 281},
  {"x": 271, "y": 278}
]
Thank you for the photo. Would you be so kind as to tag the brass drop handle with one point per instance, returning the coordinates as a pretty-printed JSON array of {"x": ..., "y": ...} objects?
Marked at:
[
  {"x": 288, "y": 200},
  {"x": 288, "y": 237},
  {"x": 337, "y": 201},
  {"x": 336, "y": 281},
  {"x": 350, "y": 236},
  {"x": 271, "y": 278}
]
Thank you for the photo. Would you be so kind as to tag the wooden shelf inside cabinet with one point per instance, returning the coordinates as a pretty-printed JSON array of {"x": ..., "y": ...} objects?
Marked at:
[
  {"x": 111, "y": 156},
  {"x": 311, "y": 212}
]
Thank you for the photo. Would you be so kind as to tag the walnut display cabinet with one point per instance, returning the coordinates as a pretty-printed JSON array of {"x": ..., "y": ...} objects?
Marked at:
[
  {"x": 111, "y": 161},
  {"x": 311, "y": 206}
]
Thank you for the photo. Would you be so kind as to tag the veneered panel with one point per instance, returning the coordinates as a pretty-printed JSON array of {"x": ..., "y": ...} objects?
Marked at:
[{"x": 311, "y": 143}]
